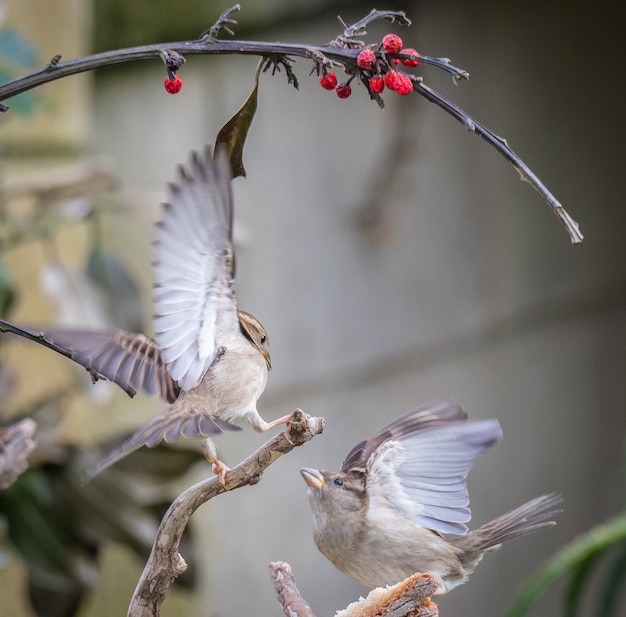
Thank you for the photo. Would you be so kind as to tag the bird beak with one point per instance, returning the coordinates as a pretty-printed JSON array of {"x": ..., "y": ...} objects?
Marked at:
[
  {"x": 313, "y": 477},
  {"x": 268, "y": 361}
]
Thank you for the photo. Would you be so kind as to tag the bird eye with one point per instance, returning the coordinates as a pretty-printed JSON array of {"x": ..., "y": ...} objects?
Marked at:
[
  {"x": 338, "y": 482},
  {"x": 262, "y": 338}
]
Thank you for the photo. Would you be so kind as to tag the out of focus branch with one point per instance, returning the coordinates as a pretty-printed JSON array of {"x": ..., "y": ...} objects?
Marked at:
[
  {"x": 409, "y": 598},
  {"x": 287, "y": 592},
  {"x": 165, "y": 563},
  {"x": 16, "y": 443}
]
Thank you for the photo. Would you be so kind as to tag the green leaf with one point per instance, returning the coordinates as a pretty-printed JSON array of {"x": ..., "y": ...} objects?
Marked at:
[
  {"x": 233, "y": 134},
  {"x": 568, "y": 559},
  {"x": 38, "y": 530},
  {"x": 613, "y": 585},
  {"x": 574, "y": 592}
]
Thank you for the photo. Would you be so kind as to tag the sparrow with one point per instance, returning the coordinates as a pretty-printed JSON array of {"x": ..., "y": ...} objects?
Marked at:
[
  {"x": 383, "y": 517},
  {"x": 208, "y": 359}
]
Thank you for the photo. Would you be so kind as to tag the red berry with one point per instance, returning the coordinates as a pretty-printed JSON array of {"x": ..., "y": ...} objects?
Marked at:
[
  {"x": 366, "y": 59},
  {"x": 377, "y": 84},
  {"x": 328, "y": 81},
  {"x": 411, "y": 62},
  {"x": 403, "y": 84},
  {"x": 343, "y": 90},
  {"x": 392, "y": 43},
  {"x": 173, "y": 85},
  {"x": 390, "y": 79}
]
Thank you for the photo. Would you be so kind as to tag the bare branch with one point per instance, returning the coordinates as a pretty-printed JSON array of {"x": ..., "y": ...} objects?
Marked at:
[
  {"x": 503, "y": 148},
  {"x": 358, "y": 28},
  {"x": 165, "y": 563},
  {"x": 342, "y": 51},
  {"x": 287, "y": 592},
  {"x": 205, "y": 47},
  {"x": 16, "y": 443}
]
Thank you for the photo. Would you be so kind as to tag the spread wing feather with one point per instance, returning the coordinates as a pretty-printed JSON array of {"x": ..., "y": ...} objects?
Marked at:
[
  {"x": 418, "y": 465},
  {"x": 168, "y": 427},
  {"x": 424, "y": 417},
  {"x": 132, "y": 361},
  {"x": 194, "y": 268}
]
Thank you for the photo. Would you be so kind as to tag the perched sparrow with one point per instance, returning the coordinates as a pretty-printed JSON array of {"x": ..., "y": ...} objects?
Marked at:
[
  {"x": 209, "y": 360},
  {"x": 382, "y": 517}
]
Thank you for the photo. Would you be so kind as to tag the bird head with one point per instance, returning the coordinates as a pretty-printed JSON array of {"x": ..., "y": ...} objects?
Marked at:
[
  {"x": 334, "y": 494},
  {"x": 253, "y": 330}
]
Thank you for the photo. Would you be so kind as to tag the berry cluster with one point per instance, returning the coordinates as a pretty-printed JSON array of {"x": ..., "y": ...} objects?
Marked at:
[
  {"x": 328, "y": 81},
  {"x": 378, "y": 73}
]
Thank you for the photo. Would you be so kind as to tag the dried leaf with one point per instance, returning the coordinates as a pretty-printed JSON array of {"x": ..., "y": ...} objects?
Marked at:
[{"x": 233, "y": 134}]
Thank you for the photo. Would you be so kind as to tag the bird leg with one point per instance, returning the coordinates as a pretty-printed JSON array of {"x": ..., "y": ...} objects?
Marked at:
[
  {"x": 219, "y": 468},
  {"x": 282, "y": 420},
  {"x": 261, "y": 426}
]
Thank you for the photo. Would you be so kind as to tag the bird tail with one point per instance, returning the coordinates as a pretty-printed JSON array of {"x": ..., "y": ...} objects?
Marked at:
[
  {"x": 527, "y": 518},
  {"x": 168, "y": 427}
]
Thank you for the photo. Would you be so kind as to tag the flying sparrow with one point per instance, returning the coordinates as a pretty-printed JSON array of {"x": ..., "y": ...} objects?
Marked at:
[
  {"x": 208, "y": 360},
  {"x": 383, "y": 517}
]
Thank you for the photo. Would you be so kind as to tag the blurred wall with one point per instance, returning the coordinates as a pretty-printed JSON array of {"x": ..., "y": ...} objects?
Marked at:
[{"x": 463, "y": 284}]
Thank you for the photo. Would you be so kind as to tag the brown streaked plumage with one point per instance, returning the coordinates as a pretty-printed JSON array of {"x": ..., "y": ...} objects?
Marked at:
[
  {"x": 208, "y": 360},
  {"x": 383, "y": 517}
]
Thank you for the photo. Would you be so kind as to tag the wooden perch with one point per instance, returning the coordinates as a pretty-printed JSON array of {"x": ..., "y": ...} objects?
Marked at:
[
  {"x": 165, "y": 563},
  {"x": 409, "y": 598},
  {"x": 16, "y": 443}
]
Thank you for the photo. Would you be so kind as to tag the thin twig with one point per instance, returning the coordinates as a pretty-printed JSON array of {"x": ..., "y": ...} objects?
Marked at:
[
  {"x": 358, "y": 28},
  {"x": 165, "y": 563},
  {"x": 222, "y": 23},
  {"x": 503, "y": 148},
  {"x": 352, "y": 34}
]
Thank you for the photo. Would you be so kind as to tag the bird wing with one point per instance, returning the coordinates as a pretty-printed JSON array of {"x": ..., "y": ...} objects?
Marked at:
[
  {"x": 194, "y": 268},
  {"x": 182, "y": 422},
  {"x": 132, "y": 361},
  {"x": 420, "y": 464},
  {"x": 424, "y": 417}
]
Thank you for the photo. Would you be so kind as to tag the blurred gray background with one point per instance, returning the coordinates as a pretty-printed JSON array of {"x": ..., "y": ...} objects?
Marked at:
[{"x": 394, "y": 258}]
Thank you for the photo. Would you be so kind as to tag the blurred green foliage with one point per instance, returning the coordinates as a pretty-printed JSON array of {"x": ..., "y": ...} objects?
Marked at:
[
  {"x": 594, "y": 568},
  {"x": 17, "y": 56},
  {"x": 59, "y": 527}
]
